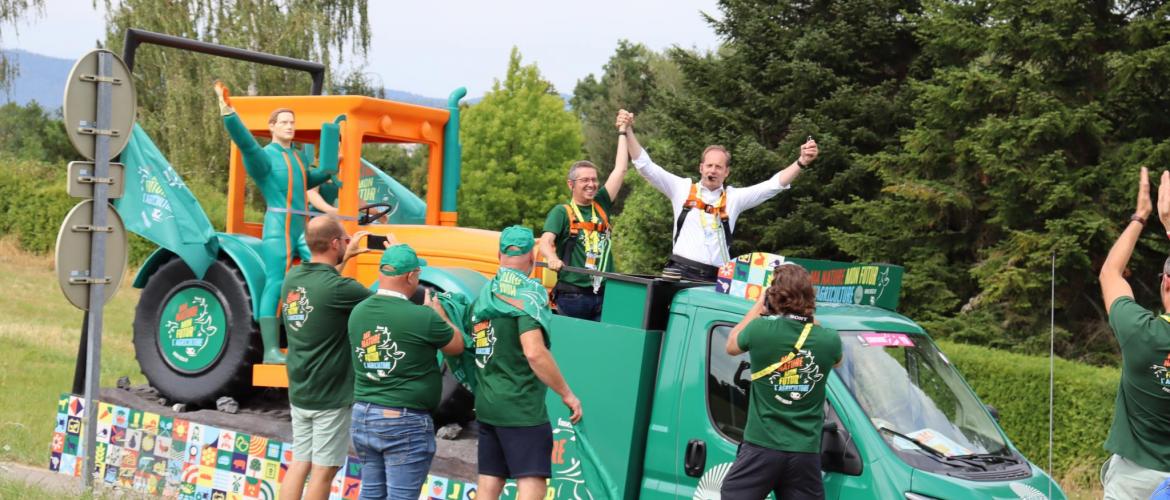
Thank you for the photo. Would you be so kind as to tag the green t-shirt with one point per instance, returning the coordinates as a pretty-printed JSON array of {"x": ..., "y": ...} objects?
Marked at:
[
  {"x": 1141, "y": 416},
  {"x": 315, "y": 306},
  {"x": 786, "y": 410},
  {"x": 508, "y": 393},
  {"x": 557, "y": 223},
  {"x": 393, "y": 344}
]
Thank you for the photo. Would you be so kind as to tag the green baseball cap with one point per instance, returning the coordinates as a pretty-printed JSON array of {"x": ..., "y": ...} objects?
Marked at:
[
  {"x": 519, "y": 237},
  {"x": 400, "y": 259}
]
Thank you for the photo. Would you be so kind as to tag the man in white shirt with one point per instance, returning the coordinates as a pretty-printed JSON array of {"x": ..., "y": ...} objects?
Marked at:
[{"x": 705, "y": 212}]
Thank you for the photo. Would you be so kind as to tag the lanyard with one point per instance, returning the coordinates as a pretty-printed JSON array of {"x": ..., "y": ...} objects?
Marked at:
[{"x": 788, "y": 357}]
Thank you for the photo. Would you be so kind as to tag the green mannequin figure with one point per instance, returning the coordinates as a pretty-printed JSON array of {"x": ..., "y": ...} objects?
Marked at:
[{"x": 282, "y": 176}]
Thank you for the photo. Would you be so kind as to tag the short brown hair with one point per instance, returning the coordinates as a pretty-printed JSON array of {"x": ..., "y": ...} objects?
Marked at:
[
  {"x": 320, "y": 233},
  {"x": 276, "y": 112},
  {"x": 791, "y": 292},
  {"x": 715, "y": 147}
]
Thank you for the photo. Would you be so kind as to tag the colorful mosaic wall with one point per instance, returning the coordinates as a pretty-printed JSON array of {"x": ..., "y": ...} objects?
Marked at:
[{"x": 176, "y": 458}]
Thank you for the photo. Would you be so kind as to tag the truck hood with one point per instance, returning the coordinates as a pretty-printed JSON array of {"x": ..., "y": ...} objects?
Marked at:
[{"x": 1035, "y": 487}]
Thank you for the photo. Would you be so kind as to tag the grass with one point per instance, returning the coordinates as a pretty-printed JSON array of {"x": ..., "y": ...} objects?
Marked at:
[{"x": 39, "y": 335}]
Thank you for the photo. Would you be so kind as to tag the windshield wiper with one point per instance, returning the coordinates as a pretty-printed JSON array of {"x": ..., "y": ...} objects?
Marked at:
[
  {"x": 989, "y": 458},
  {"x": 942, "y": 457}
]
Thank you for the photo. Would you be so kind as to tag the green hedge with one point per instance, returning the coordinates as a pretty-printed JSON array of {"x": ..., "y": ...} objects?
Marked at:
[
  {"x": 33, "y": 203},
  {"x": 1017, "y": 385}
]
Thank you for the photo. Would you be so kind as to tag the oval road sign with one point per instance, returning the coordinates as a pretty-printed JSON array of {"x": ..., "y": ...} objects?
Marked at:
[
  {"x": 80, "y": 104},
  {"x": 73, "y": 253}
]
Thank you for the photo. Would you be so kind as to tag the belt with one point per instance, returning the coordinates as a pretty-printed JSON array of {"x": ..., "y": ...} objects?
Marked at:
[
  {"x": 564, "y": 287},
  {"x": 306, "y": 213},
  {"x": 401, "y": 409},
  {"x": 683, "y": 263}
]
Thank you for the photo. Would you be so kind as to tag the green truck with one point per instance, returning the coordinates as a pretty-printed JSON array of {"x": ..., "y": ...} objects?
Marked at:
[{"x": 665, "y": 405}]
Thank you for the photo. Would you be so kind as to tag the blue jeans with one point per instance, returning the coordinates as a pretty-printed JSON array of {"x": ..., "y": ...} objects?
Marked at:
[
  {"x": 579, "y": 305},
  {"x": 396, "y": 446}
]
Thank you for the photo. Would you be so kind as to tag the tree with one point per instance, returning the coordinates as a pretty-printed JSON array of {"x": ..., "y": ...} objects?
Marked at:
[
  {"x": 12, "y": 11},
  {"x": 30, "y": 133},
  {"x": 518, "y": 143},
  {"x": 176, "y": 104}
]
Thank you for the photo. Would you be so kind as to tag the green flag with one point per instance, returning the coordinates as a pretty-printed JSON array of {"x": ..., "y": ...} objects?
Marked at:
[
  {"x": 158, "y": 206},
  {"x": 512, "y": 293},
  {"x": 597, "y": 478},
  {"x": 462, "y": 366}
]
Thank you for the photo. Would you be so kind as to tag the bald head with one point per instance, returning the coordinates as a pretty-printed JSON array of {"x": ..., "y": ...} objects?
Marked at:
[{"x": 322, "y": 231}]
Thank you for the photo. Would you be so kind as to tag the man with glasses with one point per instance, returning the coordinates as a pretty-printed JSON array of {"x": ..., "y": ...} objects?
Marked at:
[
  {"x": 1137, "y": 438},
  {"x": 315, "y": 306},
  {"x": 577, "y": 233}
]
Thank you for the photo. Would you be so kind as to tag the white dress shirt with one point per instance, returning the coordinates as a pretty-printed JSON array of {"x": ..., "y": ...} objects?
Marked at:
[{"x": 695, "y": 243}]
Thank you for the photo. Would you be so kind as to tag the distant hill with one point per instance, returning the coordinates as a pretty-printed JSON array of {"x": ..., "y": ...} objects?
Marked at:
[{"x": 42, "y": 79}]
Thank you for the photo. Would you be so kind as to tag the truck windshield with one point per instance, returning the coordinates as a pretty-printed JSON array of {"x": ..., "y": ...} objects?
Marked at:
[{"x": 915, "y": 398}]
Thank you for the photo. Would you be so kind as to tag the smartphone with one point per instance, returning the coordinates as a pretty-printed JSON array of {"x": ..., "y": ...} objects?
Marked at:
[{"x": 375, "y": 242}]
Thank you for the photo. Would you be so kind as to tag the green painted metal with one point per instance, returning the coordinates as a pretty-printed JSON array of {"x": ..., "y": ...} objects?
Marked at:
[
  {"x": 624, "y": 303},
  {"x": 611, "y": 368},
  {"x": 452, "y": 152},
  {"x": 193, "y": 328}
]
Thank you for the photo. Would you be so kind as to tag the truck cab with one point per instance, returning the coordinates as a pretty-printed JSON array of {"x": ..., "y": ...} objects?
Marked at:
[{"x": 665, "y": 405}]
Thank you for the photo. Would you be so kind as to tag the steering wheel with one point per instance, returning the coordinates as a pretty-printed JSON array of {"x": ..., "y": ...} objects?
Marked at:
[{"x": 369, "y": 215}]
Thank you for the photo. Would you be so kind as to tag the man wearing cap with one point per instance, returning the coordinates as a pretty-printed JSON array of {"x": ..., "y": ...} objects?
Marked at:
[
  {"x": 705, "y": 212},
  {"x": 577, "y": 233},
  {"x": 397, "y": 383},
  {"x": 316, "y": 306},
  {"x": 514, "y": 370},
  {"x": 1137, "y": 438}
]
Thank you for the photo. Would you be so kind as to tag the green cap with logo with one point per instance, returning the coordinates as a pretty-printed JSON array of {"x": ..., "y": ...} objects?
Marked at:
[
  {"x": 400, "y": 259},
  {"x": 516, "y": 240}
]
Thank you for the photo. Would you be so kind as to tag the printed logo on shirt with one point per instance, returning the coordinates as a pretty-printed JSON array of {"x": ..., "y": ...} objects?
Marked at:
[
  {"x": 296, "y": 308},
  {"x": 378, "y": 353},
  {"x": 795, "y": 379},
  {"x": 1162, "y": 373},
  {"x": 485, "y": 340}
]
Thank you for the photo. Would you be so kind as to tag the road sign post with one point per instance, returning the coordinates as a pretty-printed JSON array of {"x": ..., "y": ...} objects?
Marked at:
[{"x": 99, "y": 113}]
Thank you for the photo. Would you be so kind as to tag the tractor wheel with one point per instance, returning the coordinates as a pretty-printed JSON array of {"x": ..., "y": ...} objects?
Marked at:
[{"x": 195, "y": 339}]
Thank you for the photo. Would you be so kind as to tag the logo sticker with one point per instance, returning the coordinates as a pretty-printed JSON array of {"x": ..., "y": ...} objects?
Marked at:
[
  {"x": 796, "y": 378},
  {"x": 296, "y": 308},
  {"x": 378, "y": 353}
]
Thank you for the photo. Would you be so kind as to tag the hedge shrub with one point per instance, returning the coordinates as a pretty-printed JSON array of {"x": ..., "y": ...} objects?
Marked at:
[{"x": 1017, "y": 385}]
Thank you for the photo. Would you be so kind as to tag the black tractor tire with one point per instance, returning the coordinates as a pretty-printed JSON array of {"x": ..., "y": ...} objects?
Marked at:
[{"x": 230, "y": 374}]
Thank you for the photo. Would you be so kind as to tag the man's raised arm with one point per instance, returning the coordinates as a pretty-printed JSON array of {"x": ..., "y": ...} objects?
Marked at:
[
  {"x": 1112, "y": 276},
  {"x": 750, "y": 196},
  {"x": 665, "y": 182},
  {"x": 621, "y": 163}
]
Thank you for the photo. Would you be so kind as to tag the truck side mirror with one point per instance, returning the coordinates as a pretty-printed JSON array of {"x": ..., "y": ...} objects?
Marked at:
[
  {"x": 994, "y": 412},
  {"x": 838, "y": 451}
]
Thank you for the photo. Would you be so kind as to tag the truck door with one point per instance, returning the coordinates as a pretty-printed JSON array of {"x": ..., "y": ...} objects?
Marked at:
[
  {"x": 713, "y": 404},
  {"x": 713, "y": 412}
]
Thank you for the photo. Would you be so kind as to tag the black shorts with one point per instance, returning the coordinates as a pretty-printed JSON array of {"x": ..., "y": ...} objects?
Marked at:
[
  {"x": 758, "y": 470},
  {"x": 515, "y": 452}
]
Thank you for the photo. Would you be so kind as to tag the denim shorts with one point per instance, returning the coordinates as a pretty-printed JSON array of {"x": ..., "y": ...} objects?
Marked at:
[{"x": 395, "y": 446}]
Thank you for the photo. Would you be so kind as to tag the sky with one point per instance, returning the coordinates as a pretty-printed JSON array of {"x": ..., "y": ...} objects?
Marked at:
[{"x": 431, "y": 47}]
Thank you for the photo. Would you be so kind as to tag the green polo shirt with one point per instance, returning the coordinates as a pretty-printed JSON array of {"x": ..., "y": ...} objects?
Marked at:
[
  {"x": 557, "y": 222},
  {"x": 315, "y": 305},
  {"x": 393, "y": 345},
  {"x": 1141, "y": 415},
  {"x": 786, "y": 409},
  {"x": 508, "y": 393}
]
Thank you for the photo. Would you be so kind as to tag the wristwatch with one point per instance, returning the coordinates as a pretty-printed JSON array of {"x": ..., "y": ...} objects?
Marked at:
[
  {"x": 1137, "y": 218},
  {"x": 800, "y": 164}
]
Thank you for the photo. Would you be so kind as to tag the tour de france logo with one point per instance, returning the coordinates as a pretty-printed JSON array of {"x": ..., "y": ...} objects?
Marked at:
[
  {"x": 378, "y": 354},
  {"x": 485, "y": 339},
  {"x": 296, "y": 308},
  {"x": 1162, "y": 373},
  {"x": 796, "y": 378},
  {"x": 192, "y": 327}
]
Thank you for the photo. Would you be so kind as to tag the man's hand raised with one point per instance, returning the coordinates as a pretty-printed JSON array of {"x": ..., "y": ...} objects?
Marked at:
[
  {"x": 808, "y": 151},
  {"x": 1144, "y": 205},
  {"x": 1164, "y": 200}
]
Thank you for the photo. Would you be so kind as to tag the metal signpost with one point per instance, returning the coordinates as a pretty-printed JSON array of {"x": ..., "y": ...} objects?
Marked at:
[{"x": 91, "y": 244}]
